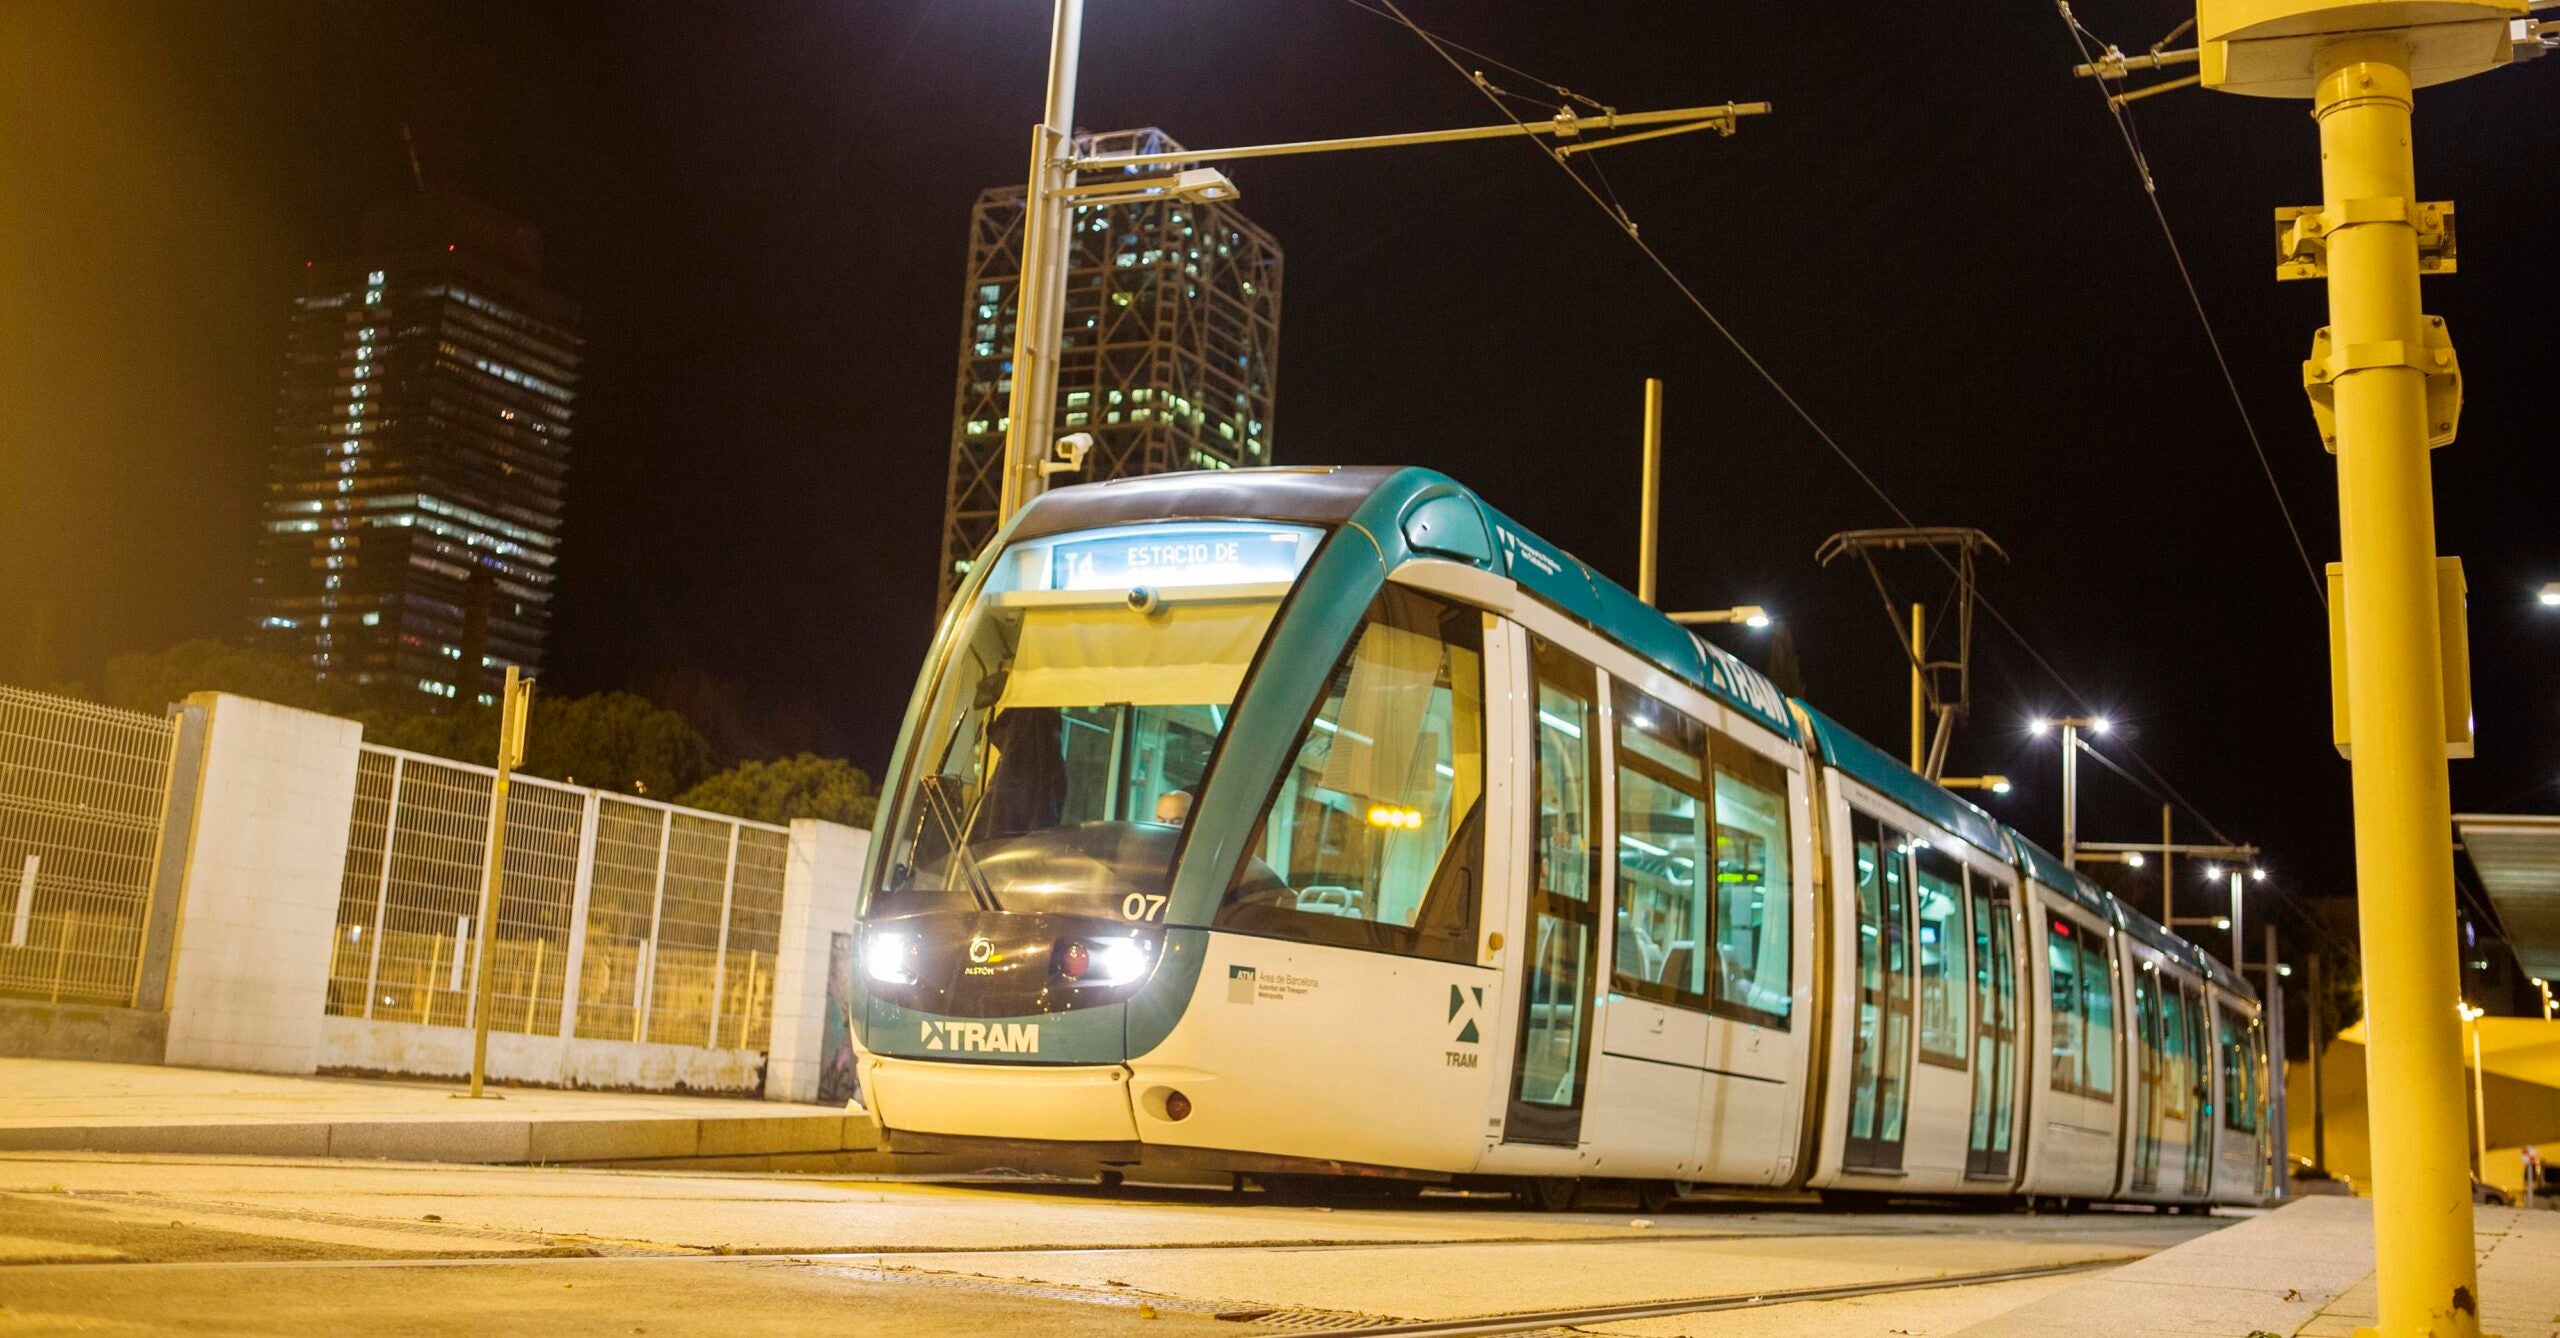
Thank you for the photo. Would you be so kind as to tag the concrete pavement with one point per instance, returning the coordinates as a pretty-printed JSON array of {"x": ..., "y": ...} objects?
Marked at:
[
  {"x": 2304, "y": 1269},
  {"x": 66, "y": 1105},
  {"x": 91, "y": 1242}
]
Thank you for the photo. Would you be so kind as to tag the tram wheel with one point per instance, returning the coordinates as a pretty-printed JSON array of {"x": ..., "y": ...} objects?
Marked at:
[
  {"x": 1549, "y": 1193},
  {"x": 1655, "y": 1196}
]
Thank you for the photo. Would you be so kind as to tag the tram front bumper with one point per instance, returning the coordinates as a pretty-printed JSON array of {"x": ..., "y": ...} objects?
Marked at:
[{"x": 1015, "y": 1102}]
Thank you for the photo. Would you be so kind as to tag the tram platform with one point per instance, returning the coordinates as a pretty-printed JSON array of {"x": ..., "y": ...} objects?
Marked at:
[
  {"x": 2304, "y": 1270},
  {"x": 75, "y": 1105}
]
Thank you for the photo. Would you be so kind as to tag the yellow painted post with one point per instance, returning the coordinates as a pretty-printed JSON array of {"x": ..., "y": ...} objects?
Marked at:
[
  {"x": 1649, "y": 521},
  {"x": 2428, "y": 1280},
  {"x": 1919, "y": 691},
  {"x": 2385, "y": 388},
  {"x": 513, "y": 703}
]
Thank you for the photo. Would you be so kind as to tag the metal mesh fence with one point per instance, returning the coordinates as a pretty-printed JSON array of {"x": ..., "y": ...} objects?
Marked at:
[
  {"x": 83, "y": 789},
  {"x": 671, "y": 906}
]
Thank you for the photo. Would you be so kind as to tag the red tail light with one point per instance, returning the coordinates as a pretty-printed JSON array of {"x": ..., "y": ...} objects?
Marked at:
[{"x": 1074, "y": 960}]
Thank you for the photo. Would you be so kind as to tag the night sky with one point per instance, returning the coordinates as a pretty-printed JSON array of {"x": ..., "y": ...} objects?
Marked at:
[{"x": 1938, "y": 243}]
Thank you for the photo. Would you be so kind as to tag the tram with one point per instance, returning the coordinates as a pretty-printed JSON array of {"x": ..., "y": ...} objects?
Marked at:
[{"x": 1326, "y": 822}]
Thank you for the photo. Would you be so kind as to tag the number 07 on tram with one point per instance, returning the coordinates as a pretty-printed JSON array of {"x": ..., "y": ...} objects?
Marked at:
[{"x": 1327, "y": 822}]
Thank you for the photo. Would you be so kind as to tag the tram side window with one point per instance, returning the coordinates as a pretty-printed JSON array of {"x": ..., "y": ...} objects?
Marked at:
[
  {"x": 1663, "y": 867},
  {"x": 1755, "y": 889},
  {"x": 1373, "y": 836},
  {"x": 2062, "y": 954},
  {"x": 2239, "y": 1074},
  {"x": 1943, "y": 983},
  {"x": 2179, "y": 1081},
  {"x": 2098, "y": 1009}
]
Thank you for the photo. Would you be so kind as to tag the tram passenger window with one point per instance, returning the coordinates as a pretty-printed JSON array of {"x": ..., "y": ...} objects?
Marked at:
[
  {"x": 1663, "y": 867},
  {"x": 1943, "y": 982},
  {"x": 2062, "y": 954},
  {"x": 2177, "y": 1080},
  {"x": 2239, "y": 1075},
  {"x": 1372, "y": 837},
  {"x": 1754, "y": 892},
  {"x": 2098, "y": 1008}
]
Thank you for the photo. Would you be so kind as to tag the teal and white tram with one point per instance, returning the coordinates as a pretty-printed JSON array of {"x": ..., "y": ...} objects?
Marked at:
[{"x": 1302, "y": 822}]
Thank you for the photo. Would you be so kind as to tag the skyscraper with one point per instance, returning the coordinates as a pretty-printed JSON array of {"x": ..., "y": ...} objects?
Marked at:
[
  {"x": 1171, "y": 350},
  {"x": 421, "y": 442}
]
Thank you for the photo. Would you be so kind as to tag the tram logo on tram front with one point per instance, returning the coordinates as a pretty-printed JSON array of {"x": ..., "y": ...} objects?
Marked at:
[
  {"x": 1004, "y": 1038},
  {"x": 1241, "y": 982}
]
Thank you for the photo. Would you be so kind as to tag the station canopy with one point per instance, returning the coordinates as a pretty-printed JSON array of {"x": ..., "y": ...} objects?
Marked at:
[{"x": 2518, "y": 859}]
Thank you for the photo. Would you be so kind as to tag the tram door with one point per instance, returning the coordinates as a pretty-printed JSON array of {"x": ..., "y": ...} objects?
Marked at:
[
  {"x": 2200, "y": 1091},
  {"x": 2148, "y": 1115},
  {"x": 1995, "y": 1032},
  {"x": 1551, "y": 1065},
  {"x": 1880, "y": 1056}
]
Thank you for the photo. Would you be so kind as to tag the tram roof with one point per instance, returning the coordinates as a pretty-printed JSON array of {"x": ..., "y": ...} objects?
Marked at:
[
  {"x": 1411, "y": 512},
  {"x": 1856, "y": 757}
]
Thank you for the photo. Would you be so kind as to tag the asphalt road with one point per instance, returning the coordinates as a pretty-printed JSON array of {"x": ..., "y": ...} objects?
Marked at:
[{"x": 102, "y": 1244}]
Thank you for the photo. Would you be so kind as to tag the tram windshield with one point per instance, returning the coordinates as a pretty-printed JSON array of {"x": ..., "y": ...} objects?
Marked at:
[{"x": 1065, "y": 742}]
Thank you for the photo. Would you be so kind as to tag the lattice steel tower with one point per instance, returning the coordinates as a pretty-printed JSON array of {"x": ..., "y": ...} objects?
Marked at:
[{"x": 1171, "y": 351}]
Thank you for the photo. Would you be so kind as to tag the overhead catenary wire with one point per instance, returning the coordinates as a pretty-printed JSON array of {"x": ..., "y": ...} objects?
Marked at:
[
  {"x": 2123, "y": 118},
  {"x": 1442, "y": 48}
]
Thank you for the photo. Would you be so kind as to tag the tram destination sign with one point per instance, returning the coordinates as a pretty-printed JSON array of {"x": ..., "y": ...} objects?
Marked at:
[{"x": 1184, "y": 556}]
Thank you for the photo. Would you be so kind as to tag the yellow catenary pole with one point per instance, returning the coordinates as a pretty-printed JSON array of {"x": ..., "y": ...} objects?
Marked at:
[
  {"x": 1919, "y": 690},
  {"x": 512, "y": 705},
  {"x": 1649, "y": 522},
  {"x": 2384, "y": 386}
]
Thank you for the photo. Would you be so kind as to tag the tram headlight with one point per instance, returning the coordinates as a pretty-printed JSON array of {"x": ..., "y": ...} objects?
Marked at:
[
  {"x": 1101, "y": 961},
  {"x": 889, "y": 958}
]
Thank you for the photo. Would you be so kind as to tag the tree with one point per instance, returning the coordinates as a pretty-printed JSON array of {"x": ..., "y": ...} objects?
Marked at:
[
  {"x": 609, "y": 740},
  {"x": 151, "y": 680},
  {"x": 804, "y": 786}
]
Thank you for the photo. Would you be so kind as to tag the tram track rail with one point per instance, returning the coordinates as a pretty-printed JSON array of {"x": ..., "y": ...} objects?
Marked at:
[{"x": 1542, "y": 1321}]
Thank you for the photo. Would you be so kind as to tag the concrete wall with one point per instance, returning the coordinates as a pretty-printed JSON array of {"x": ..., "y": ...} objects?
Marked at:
[
  {"x": 259, "y": 897},
  {"x": 354, "y": 1045},
  {"x": 34, "y": 1030},
  {"x": 821, "y": 890}
]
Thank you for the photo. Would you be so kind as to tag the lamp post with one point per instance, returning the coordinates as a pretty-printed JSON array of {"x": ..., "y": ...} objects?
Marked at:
[
  {"x": 1051, "y": 197},
  {"x": 2070, "y": 725}
]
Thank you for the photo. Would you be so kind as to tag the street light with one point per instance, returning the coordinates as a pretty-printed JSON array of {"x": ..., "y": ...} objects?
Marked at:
[
  {"x": 1995, "y": 784},
  {"x": 1749, "y": 615},
  {"x": 2071, "y": 725},
  {"x": 2551, "y": 595}
]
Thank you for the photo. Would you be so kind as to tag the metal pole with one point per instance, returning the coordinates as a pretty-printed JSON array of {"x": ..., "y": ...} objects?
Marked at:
[
  {"x": 1649, "y": 521},
  {"x": 2168, "y": 880},
  {"x": 2428, "y": 1277},
  {"x": 1723, "y": 116},
  {"x": 511, "y": 711},
  {"x": 2239, "y": 945},
  {"x": 1920, "y": 702},
  {"x": 2070, "y": 793},
  {"x": 2479, "y": 1105},
  {"x": 1039, "y": 318},
  {"x": 2318, "y": 1008},
  {"x": 2279, "y": 1110}
]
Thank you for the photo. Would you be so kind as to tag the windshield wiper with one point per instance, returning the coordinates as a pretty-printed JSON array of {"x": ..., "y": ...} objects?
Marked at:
[{"x": 937, "y": 801}]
